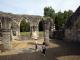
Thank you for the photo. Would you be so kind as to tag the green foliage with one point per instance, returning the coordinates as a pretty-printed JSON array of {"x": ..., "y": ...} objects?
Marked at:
[
  {"x": 25, "y": 33},
  {"x": 49, "y": 12},
  {"x": 24, "y": 27},
  {"x": 59, "y": 18}
]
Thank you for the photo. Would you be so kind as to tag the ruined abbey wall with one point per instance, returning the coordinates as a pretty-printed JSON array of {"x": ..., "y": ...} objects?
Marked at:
[
  {"x": 10, "y": 27},
  {"x": 73, "y": 34}
]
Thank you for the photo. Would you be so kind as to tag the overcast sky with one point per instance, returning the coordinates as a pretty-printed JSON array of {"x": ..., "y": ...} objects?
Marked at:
[{"x": 35, "y": 7}]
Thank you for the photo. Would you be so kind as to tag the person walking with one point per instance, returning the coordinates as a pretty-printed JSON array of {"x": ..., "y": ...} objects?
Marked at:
[
  {"x": 44, "y": 49},
  {"x": 36, "y": 46}
]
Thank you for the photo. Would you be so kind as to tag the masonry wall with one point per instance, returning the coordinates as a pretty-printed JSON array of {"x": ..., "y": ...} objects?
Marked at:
[{"x": 73, "y": 34}]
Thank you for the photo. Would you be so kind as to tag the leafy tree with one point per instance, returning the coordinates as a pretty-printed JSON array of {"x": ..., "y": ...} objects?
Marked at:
[
  {"x": 61, "y": 18},
  {"x": 24, "y": 27},
  {"x": 67, "y": 14},
  {"x": 49, "y": 12}
]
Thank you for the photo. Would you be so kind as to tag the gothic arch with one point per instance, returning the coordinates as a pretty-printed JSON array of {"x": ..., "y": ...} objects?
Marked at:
[{"x": 23, "y": 18}]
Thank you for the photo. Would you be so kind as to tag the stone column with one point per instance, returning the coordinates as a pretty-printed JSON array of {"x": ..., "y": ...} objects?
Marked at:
[
  {"x": 37, "y": 31},
  {"x": 6, "y": 34},
  {"x": 11, "y": 35},
  {"x": 46, "y": 32},
  {"x": 31, "y": 29},
  {"x": 18, "y": 33},
  {"x": 34, "y": 32},
  {"x": 6, "y": 38}
]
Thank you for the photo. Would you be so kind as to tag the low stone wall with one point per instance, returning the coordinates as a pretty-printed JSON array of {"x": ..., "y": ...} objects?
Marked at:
[
  {"x": 67, "y": 35},
  {"x": 72, "y": 35},
  {"x": 58, "y": 34}
]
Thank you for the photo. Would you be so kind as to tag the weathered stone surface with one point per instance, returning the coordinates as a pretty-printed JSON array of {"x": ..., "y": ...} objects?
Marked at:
[
  {"x": 72, "y": 27},
  {"x": 6, "y": 40},
  {"x": 11, "y": 27}
]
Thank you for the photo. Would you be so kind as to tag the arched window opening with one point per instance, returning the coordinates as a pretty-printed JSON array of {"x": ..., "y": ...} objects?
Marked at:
[
  {"x": 41, "y": 29},
  {"x": 25, "y": 29}
]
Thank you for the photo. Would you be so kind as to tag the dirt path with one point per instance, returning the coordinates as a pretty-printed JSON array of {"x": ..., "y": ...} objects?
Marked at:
[{"x": 58, "y": 50}]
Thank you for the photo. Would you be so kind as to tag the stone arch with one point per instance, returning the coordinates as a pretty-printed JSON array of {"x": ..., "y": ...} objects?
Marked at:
[
  {"x": 26, "y": 22},
  {"x": 34, "y": 26},
  {"x": 23, "y": 18},
  {"x": 16, "y": 27},
  {"x": 24, "y": 35},
  {"x": 15, "y": 19},
  {"x": 41, "y": 29}
]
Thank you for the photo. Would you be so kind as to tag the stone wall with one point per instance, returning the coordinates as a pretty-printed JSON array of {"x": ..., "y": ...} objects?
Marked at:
[
  {"x": 72, "y": 27},
  {"x": 11, "y": 27},
  {"x": 73, "y": 34}
]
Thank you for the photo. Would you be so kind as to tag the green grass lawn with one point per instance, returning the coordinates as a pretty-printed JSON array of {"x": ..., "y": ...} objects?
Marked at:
[
  {"x": 41, "y": 33},
  {"x": 25, "y": 33}
]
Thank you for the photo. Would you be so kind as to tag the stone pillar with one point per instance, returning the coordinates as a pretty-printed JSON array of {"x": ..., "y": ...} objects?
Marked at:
[
  {"x": 31, "y": 31},
  {"x": 18, "y": 33},
  {"x": 6, "y": 38},
  {"x": 11, "y": 35},
  {"x": 37, "y": 29},
  {"x": 46, "y": 32},
  {"x": 6, "y": 33},
  {"x": 35, "y": 32}
]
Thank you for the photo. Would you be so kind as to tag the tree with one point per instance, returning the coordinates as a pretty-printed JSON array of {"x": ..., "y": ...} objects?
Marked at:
[
  {"x": 24, "y": 27},
  {"x": 61, "y": 18},
  {"x": 67, "y": 14},
  {"x": 49, "y": 12},
  {"x": 70, "y": 12}
]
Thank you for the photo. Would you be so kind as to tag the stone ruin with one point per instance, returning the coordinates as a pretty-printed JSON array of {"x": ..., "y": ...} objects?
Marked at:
[
  {"x": 71, "y": 29},
  {"x": 10, "y": 27}
]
